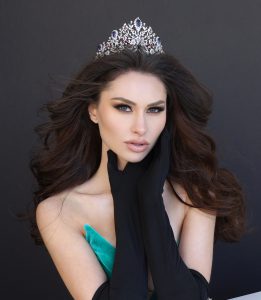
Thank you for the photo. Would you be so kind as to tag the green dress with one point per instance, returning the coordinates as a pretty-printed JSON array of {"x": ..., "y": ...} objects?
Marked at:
[{"x": 104, "y": 251}]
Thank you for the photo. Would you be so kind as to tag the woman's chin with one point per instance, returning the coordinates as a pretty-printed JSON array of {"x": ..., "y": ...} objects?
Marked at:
[{"x": 133, "y": 159}]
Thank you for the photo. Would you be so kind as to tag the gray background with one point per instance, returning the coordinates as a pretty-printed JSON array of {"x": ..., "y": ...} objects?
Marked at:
[{"x": 43, "y": 43}]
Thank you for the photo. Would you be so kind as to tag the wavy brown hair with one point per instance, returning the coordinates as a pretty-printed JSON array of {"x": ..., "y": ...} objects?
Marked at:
[{"x": 70, "y": 152}]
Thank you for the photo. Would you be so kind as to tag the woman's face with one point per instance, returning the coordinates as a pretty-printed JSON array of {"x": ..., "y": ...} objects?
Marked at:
[{"x": 120, "y": 121}]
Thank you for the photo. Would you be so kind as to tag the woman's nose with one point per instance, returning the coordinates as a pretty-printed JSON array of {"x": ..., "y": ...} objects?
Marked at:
[{"x": 139, "y": 124}]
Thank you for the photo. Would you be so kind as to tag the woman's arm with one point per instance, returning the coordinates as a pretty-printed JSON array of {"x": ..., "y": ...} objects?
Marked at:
[
  {"x": 73, "y": 257},
  {"x": 173, "y": 277},
  {"x": 197, "y": 241},
  {"x": 183, "y": 272}
]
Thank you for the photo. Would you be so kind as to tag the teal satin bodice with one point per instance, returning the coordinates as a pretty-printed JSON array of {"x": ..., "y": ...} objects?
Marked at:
[{"x": 102, "y": 248}]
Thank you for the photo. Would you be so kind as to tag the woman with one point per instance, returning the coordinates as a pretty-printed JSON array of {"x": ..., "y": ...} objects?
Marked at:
[{"x": 130, "y": 193}]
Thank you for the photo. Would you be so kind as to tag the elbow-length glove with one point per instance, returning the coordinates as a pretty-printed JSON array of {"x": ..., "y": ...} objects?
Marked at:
[
  {"x": 171, "y": 277},
  {"x": 129, "y": 279}
]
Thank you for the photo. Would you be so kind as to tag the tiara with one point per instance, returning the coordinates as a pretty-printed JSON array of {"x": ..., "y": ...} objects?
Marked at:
[{"x": 134, "y": 35}]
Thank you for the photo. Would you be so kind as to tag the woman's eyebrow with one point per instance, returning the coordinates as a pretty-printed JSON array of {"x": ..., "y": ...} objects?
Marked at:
[{"x": 133, "y": 103}]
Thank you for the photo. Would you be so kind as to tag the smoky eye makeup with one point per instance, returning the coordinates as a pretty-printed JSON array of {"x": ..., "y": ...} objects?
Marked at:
[{"x": 122, "y": 107}]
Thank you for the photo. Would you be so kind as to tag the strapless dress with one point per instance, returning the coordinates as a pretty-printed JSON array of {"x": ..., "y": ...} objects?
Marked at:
[{"x": 104, "y": 251}]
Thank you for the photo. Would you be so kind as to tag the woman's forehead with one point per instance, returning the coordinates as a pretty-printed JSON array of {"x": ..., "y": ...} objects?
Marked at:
[{"x": 135, "y": 85}]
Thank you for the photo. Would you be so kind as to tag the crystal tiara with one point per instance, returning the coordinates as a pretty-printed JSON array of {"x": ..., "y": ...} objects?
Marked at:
[{"x": 134, "y": 35}]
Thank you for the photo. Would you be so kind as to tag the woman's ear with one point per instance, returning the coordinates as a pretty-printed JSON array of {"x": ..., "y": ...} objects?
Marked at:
[{"x": 93, "y": 112}]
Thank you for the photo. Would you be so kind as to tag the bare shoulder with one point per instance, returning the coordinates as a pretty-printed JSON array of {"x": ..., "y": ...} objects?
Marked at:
[
  {"x": 182, "y": 194},
  {"x": 68, "y": 207},
  {"x": 180, "y": 190},
  {"x": 72, "y": 255},
  {"x": 49, "y": 207},
  {"x": 49, "y": 214}
]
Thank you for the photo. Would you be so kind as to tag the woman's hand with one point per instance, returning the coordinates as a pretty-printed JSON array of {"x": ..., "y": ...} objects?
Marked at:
[
  {"x": 171, "y": 277},
  {"x": 129, "y": 278},
  {"x": 153, "y": 179}
]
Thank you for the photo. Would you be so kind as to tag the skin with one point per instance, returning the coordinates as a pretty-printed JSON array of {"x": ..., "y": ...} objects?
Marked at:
[
  {"x": 138, "y": 121},
  {"x": 92, "y": 202}
]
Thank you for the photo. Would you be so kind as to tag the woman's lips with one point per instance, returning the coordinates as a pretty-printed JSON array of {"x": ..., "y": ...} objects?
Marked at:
[{"x": 137, "y": 147}]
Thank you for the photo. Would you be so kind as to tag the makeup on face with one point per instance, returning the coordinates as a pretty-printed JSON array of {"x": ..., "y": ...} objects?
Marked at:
[
  {"x": 159, "y": 106},
  {"x": 132, "y": 114}
]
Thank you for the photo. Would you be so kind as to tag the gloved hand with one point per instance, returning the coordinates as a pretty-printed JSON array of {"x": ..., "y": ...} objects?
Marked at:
[
  {"x": 172, "y": 278},
  {"x": 129, "y": 278}
]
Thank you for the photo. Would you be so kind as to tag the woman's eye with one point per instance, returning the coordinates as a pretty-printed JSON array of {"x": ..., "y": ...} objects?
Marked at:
[
  {"x": 120, "y": 106},
  {"x": 159, "y": 109}
]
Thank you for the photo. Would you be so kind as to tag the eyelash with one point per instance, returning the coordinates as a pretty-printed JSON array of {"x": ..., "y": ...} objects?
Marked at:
[{"x": 160, "y": 109}]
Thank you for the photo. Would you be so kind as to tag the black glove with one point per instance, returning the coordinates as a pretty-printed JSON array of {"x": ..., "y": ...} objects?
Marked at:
[
  {"x": 172, "y": 278},
  {"x": 129, "y": 278}
]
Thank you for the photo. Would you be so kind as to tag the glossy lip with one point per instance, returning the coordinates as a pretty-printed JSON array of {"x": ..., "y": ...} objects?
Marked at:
[
  {"x": 136, "y": 148},
  {"x": 144, "y": 142}
]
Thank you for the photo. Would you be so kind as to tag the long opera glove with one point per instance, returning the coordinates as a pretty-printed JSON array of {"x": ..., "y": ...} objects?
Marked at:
[
  {"x": 171, "y": 277},
  {"x": 129, "y": 280}
]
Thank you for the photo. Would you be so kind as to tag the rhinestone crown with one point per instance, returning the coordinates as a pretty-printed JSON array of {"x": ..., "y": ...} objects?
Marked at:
[{"x": 134, "y": 35}]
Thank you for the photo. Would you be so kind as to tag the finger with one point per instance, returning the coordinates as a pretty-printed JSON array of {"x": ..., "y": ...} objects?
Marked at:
[
  {"x": 112, "y": 160},
  {"x": 165, "y": 148},
  {"x": 134, "y": 170},
  {"x": 165, "y": 140},
  {"x": 159, "y": 146}
]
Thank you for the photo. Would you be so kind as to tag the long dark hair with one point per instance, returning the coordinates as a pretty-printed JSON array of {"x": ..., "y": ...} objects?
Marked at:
[{"x": 71, "y": 144}]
